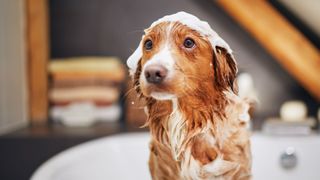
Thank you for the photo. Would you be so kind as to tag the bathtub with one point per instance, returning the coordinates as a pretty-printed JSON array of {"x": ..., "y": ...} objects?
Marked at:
[{"x": 125, "y": 157}]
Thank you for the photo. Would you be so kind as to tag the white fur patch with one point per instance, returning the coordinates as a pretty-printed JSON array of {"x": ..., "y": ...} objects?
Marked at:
[
  {"x": 219, "y": 166},
  {"x": 192, "y": 169},
  {"x": 163, "y": 58},
  {"x": 176, "y": 130},
  {"x": 162, "y": 96},
  {"x": 146, "y": 110}
]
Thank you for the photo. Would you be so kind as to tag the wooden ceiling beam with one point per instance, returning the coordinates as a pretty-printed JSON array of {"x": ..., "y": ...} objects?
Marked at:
[{"x": 280, "y": 38}]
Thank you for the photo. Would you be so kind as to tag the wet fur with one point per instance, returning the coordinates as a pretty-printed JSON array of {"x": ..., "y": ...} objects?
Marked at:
[{"x": 200, "y": 135}]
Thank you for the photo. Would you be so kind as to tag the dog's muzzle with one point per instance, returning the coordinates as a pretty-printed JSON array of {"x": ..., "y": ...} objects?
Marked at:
[{"x": 155, "y": 74}]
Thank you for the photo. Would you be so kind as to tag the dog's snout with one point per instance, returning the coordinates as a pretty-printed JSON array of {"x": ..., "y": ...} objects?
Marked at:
[{"x": 155, "y": 73}]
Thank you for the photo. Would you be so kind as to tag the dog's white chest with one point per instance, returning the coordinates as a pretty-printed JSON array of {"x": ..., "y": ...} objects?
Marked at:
[{"x": 176, "y": 130}]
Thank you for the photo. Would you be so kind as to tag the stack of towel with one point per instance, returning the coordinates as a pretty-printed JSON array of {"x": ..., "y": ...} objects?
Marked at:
[{"x": 85, "y": 90}]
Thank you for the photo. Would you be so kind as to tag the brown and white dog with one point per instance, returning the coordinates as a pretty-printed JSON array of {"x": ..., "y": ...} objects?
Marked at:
[{"x": 185, "y": 73}]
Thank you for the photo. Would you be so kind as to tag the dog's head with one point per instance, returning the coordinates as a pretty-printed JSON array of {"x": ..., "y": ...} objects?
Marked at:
[{"x": 179, "y": 54}]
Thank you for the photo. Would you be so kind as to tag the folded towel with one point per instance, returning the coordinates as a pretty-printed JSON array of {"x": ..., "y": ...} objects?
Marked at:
[
  {"x": 96, "y": 103},
  {"x": 84, "y": 82},
  {"x": 106, "y": 94},
  {"x": 84, "y": 114},
  {"x": 79, "y": 76},
  {"x": 86, "y": 64},
  {"x": 108, "y": 68}
]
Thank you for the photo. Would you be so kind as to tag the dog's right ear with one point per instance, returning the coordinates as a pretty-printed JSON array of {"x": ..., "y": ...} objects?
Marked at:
[{"x": 134, "y": 59}]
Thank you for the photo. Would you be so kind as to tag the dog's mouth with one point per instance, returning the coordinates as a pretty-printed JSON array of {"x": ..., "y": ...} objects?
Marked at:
[{"x": 158, "y": 91}]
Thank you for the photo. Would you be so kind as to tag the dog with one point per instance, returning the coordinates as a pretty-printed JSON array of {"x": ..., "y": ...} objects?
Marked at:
[{"x": 185, "y": 73}]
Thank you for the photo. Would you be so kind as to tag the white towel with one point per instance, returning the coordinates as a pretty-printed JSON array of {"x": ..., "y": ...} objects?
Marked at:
[{"x": 85, "y": 113}]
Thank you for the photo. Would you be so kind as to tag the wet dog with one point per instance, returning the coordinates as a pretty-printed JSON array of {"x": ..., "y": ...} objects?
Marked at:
[{"x": 186, "y": 74}]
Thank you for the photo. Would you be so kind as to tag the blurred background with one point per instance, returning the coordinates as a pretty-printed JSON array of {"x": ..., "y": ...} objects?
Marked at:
[{"x": 64, "y": 80}]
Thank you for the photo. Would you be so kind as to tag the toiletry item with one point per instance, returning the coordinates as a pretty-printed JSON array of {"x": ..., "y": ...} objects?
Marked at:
[
  {"x": 246, "y": 87},
  {"x": 248, "y": 93},
  {"x": 293, "y": 111}
]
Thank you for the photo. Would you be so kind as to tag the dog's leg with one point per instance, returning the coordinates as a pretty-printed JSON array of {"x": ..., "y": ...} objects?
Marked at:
[{"x": 162, "y": 165}]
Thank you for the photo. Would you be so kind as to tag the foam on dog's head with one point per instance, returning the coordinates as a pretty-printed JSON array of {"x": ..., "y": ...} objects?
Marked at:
[{"x": 192, "y": 22}]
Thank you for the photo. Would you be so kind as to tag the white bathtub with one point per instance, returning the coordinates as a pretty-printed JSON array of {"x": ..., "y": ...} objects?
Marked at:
[{"x": 125, "y": 156}]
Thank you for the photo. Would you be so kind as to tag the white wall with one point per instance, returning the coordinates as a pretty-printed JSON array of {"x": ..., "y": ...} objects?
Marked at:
[{"x": 13, "y": 86}]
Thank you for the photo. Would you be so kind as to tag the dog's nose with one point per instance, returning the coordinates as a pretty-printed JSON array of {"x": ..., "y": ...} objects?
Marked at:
[{"x": 155, "y": 73}]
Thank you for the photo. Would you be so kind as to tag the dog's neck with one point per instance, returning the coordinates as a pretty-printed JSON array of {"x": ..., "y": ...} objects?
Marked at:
[{"x": 175, "y": 122}]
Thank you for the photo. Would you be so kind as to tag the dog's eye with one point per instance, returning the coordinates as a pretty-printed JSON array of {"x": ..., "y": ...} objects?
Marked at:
[
  {"x": 148, "y": 44},
  {"x": 188, "y": 43}
]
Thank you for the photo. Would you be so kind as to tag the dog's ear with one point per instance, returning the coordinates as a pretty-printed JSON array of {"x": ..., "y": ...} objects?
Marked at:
[
  {"x": 136, "y": 77},
  {"x": 134, "y": 64},
  {"x": 134, "y": 58},
  {"x": 225, "y": 69}
]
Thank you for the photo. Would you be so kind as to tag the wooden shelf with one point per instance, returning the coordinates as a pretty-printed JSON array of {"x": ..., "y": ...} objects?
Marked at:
[{"x": 38, "y": 56}]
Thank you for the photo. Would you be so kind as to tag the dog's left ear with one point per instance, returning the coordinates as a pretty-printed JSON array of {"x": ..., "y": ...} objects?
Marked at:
[{"x": 225, "y": 69}]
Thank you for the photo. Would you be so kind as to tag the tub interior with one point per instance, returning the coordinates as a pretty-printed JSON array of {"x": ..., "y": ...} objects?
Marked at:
[{"x": 126, "y": 156}]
